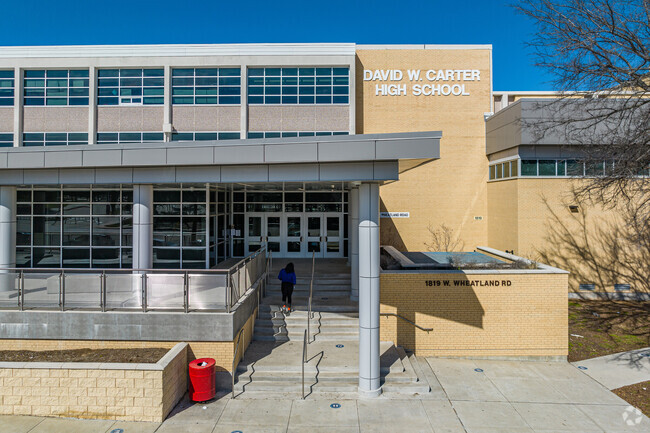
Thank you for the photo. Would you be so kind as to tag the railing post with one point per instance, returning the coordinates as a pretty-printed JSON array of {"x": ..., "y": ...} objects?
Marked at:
[
  {"x": 62, "y": 290},
  {"x": 144, "y": 292},
  {"x": 186, "y": 292},
  {"x": 228, "y": 291},
  {"x": 102, "y": 291},
  {"x": 21, "y": 290},
  {"x": 304, "y": 359}
]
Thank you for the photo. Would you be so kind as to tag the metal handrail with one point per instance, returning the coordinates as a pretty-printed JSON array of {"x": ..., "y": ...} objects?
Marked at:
[
  {"x": 304, "y": 360},
  {"x": 406, "y": 320},
  {"x": 234, "y": 358},
  {"x": 311, "y": 291}
]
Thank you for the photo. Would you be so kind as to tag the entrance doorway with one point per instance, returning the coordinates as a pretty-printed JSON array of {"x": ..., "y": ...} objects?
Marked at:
[{"x": 296, "y": 234}]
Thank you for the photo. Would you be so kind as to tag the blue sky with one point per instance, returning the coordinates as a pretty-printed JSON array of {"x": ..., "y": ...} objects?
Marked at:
[{"x": 79, "y": 22}]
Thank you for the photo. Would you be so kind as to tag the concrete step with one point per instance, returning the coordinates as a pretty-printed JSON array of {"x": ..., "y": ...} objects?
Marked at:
[
  {"x": 283, "y": 337},
  {"x": 297, "y": 322},
  {"x": 301, "y": 316}
]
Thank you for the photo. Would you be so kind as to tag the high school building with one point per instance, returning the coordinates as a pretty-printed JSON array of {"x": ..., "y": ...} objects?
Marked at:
[{"x": 185, "y": 156}]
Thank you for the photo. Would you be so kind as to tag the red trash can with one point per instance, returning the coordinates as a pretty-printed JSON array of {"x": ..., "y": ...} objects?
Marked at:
[{"x": 203, "y": 379}]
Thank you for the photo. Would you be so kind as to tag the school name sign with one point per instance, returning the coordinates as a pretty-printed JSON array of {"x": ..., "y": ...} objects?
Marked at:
[{"x": 432, "y": 82}]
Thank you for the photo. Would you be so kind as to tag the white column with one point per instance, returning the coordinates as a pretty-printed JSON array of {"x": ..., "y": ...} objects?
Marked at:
[
  {"x": 167, "y": 104},
  {"x": 18, "y": 107},
  {"x": 7, "y": 236},
  {"x": 92, "y": 105},
  {"x": 369, "y": 378},
  {"x": 353, "y": 209},
  {"x": 142, "y": 226}
]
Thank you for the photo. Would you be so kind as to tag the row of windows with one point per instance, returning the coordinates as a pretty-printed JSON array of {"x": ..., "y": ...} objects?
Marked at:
[
  {"x": 203, "y": 136},
  {"x": 129, "y": 137},
  {"x": 298, "y": 85},
  {"x": 190, "y": 86},
  {"x": 56, "y": 87},
  {"x": 504, "y": 170},
  {"x": 6, "y": 88},
  {"x": 6, "y": 139},
  {"x": 551, "y": 168},
  {"x": 206, "y": 86},
  {"x": 54, "y": 138},
  {"x": 130, "y": 86},
  {"x": 285, "y": 134}
]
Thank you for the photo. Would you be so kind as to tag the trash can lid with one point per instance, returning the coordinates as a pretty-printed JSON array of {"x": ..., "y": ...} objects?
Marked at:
[{"x": 202, "y": 363}]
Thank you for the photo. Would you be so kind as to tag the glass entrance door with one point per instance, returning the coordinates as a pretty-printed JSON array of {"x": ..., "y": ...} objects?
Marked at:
[
  {"x": 263, "y": 230},
  {"x": 293, "y": 240},
  {"x": 333, "y": 232}
]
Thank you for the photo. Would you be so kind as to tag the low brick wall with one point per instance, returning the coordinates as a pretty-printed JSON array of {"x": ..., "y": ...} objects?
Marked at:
[
  {"x": 518, "y": 313},
  {"x": 222, "y": 351},
  {"x": 128, "y": 392}
]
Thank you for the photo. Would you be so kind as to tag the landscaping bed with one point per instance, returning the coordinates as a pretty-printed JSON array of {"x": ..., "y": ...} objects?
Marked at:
[
  {"x": 137, "y": 356},
  {"x": 638, "y": 395},
  {"x": 598, "y": 328}
]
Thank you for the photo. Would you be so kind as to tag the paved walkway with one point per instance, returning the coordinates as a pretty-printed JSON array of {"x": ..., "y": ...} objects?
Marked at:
[
  {"x": 505, "y": 397},
  {"x": 620, "y": 369}
]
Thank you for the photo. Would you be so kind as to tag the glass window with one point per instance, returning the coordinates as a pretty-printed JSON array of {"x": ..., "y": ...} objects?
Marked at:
[
  {"x": 290, "y": 134},
  {"x": 129, "y": 137},
  {"x": 6, "y": 139},
  {"x": 298, "y": 85},
  {"x": 206, "y": 86},
  {"x": 492, "y": 172},
  {"x": 499, "y": 171},
  {"x": 514, "y": 168},
  {"x": 546, "y": 167},
  {"x": 529, "y": 167},
  {"x": 7, "y": 87},
  {"x": 201, "y": 136},
  {"x": 54, "y": 138},
  {"x": 91, "y": 218},
  {"x": 56, "y": 87},
  {"x": 130, "y": 87},
  {"x": 574, "y": 168},
  {"x": 594, "y": 169},
  {"x": 506, "y": 169}
]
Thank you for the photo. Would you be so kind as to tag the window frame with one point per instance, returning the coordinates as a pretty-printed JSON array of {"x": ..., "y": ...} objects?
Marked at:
[
  {"x": 51, "y": 76},
  {"x": 268, "y": 74},
  {"x": 194, "y": 85},
  {"x": 102, "y": 76}
]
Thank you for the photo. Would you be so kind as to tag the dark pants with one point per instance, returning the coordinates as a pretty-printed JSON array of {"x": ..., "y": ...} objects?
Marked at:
[{"x": 287, "y": 290}]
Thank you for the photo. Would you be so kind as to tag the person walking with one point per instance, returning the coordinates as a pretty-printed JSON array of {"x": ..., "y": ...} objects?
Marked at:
[{"x": 288, "y": 278}]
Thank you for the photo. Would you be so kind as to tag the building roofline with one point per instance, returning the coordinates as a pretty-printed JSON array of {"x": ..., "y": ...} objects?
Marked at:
[
  {"x": 178, "y": 50},
  {"x": 424, "y": 47}
]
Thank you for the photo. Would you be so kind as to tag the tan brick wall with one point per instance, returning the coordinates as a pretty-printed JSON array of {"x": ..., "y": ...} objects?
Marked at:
[
  {"x": 451, "y": 190},
  {"x": 95, "y": 393},
  {"x": 520, "y": 219},
  {"x": 529, "y": 317}
]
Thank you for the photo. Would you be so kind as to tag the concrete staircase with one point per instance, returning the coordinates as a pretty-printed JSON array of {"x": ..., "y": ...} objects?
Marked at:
[{"x": 273, "y": 362}]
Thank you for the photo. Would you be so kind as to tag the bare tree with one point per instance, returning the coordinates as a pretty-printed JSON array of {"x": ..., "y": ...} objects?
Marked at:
[
  {"x": 598, "y": 52},
  {"x": 442, "y": 239}
]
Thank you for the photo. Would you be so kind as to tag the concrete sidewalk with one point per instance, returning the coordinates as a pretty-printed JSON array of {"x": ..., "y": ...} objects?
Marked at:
[
  {"x": 468, "y": 396},
  {"x": 618, "y": 370}
]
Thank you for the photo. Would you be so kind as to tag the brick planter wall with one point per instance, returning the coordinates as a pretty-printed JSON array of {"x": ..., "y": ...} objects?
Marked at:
[{"x": 128, "y": 392}]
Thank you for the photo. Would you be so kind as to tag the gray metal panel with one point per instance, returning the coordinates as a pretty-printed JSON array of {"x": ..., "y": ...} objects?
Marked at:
[
  {"x": 77, "y": 176},
  {"x": 154, "y": 175},
  {"x": 245, "y": 173},
  {"x": 407, "y": 149},
  {"x": 41, "y": 176},
  {"x": 346, "y": 150},
  {"x": 291, "y": 152},
  {"x": 151, "y": 156},
  {"x": 11, "y": 177},
  {"x": 503, "y": 130},
  {"x": 102, "y": 158},
  {"x": 26, "y": 160},
  {"x": 293, "y": 172},
  {"x": 347, "y": 171},
  {"x": 114, "y": 175},
  {"x": 64, "y": 158},
  {"x": 190, "y": 155},
  {"x": 3, "y": 160},
  {"x": 386, "y": 170},
  {"x": 199, "y": 174},
  {"x": 238, "y": 154}
]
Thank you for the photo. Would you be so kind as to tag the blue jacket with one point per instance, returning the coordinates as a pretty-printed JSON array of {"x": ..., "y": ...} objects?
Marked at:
[{"x": 286, "y": 277}]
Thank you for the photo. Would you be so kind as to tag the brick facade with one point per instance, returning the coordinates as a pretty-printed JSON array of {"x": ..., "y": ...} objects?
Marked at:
[{"x": 526, "y": 316}]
